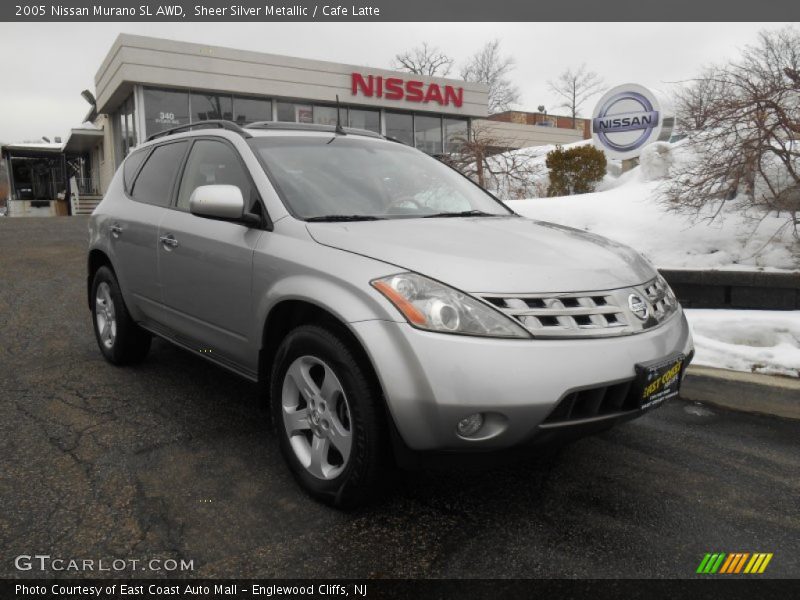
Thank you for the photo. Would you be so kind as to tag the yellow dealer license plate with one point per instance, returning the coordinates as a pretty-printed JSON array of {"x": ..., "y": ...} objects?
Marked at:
[{"x": 659, "y": 381}]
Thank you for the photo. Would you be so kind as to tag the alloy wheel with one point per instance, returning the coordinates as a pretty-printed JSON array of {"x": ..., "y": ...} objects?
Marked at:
[
  {"x": 316, "y": 417},
  {"x": 105, "y": 315}
]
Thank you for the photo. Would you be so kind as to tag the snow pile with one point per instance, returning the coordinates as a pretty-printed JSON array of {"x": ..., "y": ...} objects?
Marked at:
[
  {"x": 627, "y": 208},
  {"x": 747, "y": 340},
  {"x": 656, "y": 160}
]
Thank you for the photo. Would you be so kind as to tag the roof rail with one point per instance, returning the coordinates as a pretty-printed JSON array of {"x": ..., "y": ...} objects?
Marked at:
[
  {"x": 310, "y": 127},
  {"x": 220, "y": 123}
]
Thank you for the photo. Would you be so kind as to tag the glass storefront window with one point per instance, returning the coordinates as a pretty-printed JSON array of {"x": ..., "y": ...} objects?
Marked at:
[
  {"x": 455, "y": 134},
  {"x": 365, "y": 119},
  {"x": 295, "y": 113},
  {"x": 130, "y": 123},
  {"x": 428, "y": 134},
  {"x": 325, "y": 115},
  {"x": 164, "y": 109},
  {"x": 250, "y": 110},
  {"x": 124, "y": 123},
  {"x": 400, "y": 126},
  {"x": 206, "y": 106}
]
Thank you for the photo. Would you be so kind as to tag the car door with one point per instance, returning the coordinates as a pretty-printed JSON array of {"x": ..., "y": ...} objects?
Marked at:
[
  {"x": 205, "y": 265},
  {"x": 133, "y": 230}
]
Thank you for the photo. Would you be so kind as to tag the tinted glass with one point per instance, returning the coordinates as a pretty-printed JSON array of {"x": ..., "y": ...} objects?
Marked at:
[
  {"x": 164, "y": 109},
  {"x": 130, "y": 126},
  {"x": 250, "y": 110},
  {"x": 207, "y": 106},
  {"x": 212, "y": 163},
  {"x": 400, "y": 126},
  {"x": 455, "y": 134},
  {"x": 428, "y": 134},
  {"x": 365, "y": 119},
  {"x": 154, "y": 183},
  {"x": 325, "y": 115},
  {"x": 295, "y": 113},
  {"x": 131, "y": 164},
  {"x": 322, "y": 176}
]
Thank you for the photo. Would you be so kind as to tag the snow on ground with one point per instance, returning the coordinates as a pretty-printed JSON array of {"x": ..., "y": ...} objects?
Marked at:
[
  {"x": 627, "y": 208},
  {"x": 747, "y": 340}
]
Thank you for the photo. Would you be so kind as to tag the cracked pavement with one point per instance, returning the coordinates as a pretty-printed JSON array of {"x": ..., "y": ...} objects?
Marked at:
[{"x": 175, "y": 459}]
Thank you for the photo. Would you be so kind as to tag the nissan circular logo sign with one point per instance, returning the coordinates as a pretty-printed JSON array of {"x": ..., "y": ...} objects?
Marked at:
[{"x": 627, "y": 118}]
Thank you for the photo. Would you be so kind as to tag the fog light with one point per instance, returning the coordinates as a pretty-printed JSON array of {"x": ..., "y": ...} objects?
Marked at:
[{"x": 470, "y": 425}]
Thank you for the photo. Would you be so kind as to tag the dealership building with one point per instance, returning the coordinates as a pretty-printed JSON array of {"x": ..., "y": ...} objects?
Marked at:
[{"x": 146, "y": 85}]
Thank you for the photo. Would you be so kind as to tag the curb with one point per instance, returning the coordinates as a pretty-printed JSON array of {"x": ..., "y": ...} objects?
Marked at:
[{"x": 746, "y": 392}]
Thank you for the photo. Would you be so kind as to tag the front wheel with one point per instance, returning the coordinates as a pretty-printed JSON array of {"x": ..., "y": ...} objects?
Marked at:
[
  {"x": 119, "y": 338},
  {"x": 326, "y": 407}
]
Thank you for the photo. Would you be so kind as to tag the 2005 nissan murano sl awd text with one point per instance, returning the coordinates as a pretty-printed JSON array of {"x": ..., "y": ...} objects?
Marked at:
[{"x": 392, "y": 307}]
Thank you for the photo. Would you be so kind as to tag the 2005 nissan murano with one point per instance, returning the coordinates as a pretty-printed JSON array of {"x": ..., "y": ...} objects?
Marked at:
[{"x": 391, "y": 307}]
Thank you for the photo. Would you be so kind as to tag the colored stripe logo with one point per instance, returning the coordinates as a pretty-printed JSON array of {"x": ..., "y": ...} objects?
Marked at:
[{"x": 734, "y": 563}]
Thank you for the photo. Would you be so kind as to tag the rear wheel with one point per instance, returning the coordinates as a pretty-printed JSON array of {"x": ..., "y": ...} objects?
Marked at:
[
  {"x": 119, "y": 338},
  {"x": 326, "y": 407}
]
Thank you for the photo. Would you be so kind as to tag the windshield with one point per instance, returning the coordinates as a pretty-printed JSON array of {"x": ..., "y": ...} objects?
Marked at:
[{"x": 350, "y": 177}]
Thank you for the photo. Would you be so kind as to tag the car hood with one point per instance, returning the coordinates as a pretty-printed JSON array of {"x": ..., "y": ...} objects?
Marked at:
[{"x": 492, "y": 254}]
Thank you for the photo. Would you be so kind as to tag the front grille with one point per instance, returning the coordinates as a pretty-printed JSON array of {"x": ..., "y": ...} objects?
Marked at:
[
  {"x": 660, "y": 297},
  {"x": 594, "y": 402},
  {"x": 588, "y": 314}
]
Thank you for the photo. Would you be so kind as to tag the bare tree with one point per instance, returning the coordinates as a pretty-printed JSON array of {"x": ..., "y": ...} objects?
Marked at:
[
  {"x": 576, "y": 86},
  {"x": 487, "y": 159},
  {"x": 746, "y": 143},
  {"x": 424, "y": 60},
  {"x": 490, "y": 67},
  {"x": 695, "y": 101}
]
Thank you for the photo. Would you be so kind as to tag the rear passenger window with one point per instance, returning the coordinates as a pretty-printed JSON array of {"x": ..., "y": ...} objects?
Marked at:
[
  {"x": 131, "y": 165},
  {"x": 213, "y": 163},
  {"x": 154, "y": 183}
]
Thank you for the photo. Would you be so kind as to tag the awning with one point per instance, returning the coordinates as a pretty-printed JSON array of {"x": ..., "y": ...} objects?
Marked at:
[{"x": 82, "y": 140}]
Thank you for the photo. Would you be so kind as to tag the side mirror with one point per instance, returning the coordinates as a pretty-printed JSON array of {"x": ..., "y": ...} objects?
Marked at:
[{"x": 217, "y": 201}]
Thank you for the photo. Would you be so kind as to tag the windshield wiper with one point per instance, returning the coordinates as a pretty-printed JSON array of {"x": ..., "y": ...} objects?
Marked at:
[
  {"x": 334, "y": 218},
  {"x": 463, "y": 213}
]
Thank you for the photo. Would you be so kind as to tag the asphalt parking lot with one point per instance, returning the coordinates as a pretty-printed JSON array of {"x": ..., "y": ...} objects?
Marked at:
[{"x": 175, "y": 459}]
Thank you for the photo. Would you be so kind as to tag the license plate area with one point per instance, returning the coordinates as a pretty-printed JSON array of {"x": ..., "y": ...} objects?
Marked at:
[{"x": 658, "y": 381}]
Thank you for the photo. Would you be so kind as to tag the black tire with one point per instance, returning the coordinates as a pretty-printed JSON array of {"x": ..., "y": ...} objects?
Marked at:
[
  {"x": 369, "y": 453},
  {"x": 130, "y": 343}
]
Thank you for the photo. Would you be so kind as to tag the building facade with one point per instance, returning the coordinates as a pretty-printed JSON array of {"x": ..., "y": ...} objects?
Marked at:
[
  {"x": 146, "y": 85},
  {"x": 515, "y": 129}
]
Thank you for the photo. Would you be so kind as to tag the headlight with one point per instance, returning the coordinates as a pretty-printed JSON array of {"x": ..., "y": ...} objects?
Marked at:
[{"x": 428, "y": 304}]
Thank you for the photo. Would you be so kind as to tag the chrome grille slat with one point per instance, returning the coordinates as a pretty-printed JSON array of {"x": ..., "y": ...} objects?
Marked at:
[
  {"x": 603, "y": 313},
  {"x": 563, "y": 312}
]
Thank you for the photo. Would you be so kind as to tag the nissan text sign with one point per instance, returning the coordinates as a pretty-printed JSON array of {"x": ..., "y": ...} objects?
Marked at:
[
  {"x": 409, "y": 90},
  {"x": 627, "y": 118}
]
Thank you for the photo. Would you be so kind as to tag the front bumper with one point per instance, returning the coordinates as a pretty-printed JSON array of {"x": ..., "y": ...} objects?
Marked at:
[{"x": 433, "y": 380}]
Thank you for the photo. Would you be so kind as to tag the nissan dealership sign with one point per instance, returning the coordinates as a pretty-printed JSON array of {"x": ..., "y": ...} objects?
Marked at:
[
  {"x": 408, "y": 90},
  {"x": 627, "y": 118}
]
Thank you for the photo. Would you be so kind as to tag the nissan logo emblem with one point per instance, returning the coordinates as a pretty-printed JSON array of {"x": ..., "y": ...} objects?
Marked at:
[{"x": 638, "y": 306}]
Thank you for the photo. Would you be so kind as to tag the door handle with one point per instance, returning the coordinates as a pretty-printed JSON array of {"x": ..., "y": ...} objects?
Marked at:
[
  {"x": 169, "y": 241},
  {"x": 115, "y": 230}
]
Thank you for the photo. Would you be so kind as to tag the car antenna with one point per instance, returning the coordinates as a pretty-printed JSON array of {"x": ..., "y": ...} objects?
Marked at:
[{"x": 339, "y": 129}]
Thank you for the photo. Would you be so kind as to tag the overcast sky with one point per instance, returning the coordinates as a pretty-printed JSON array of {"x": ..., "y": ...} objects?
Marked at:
[{"x": 46, "y": 65}]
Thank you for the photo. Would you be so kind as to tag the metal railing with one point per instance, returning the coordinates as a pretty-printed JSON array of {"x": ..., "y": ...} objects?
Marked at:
[{"x": 87, "y": 186}]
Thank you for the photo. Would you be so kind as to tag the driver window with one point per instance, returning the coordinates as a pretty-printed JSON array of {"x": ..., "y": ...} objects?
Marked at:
[{"x": 212, "y": 163}]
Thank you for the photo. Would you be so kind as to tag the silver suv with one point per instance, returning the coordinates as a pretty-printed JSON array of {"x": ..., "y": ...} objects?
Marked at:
[{"x": 394, "y": 310}]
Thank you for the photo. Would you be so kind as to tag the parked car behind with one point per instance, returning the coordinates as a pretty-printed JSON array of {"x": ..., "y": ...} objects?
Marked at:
[{"x": 392, "y": 307}]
